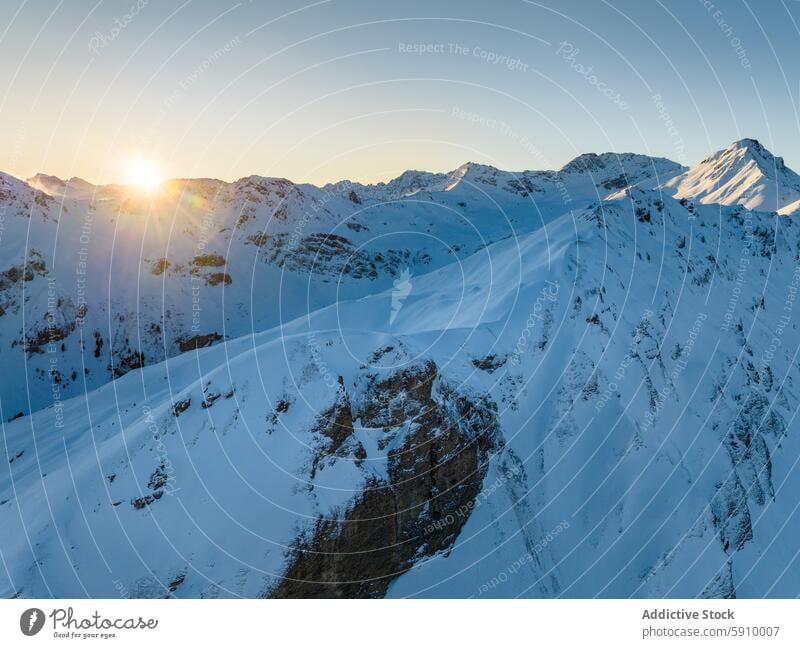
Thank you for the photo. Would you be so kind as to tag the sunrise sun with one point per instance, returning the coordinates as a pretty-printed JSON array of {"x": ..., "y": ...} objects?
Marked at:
[{"x": 144, "y": 173}]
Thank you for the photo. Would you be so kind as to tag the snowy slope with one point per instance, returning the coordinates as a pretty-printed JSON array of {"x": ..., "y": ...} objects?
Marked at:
[
  {"x": 744, "y": 174},
  {"x": 602, "y": 405}
]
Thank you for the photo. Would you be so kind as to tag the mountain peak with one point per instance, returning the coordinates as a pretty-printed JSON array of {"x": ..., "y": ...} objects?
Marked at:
[
  {"x": 585, "y": 162},
  {"x": 751, "y": 149},
  {"x": 470, "y": 171},
  {"x": 54, "y": 186},
  {"x": 745, "y": 173},
  {"x": 747, "y": 142},
  {"x": 475, "y": 167}
]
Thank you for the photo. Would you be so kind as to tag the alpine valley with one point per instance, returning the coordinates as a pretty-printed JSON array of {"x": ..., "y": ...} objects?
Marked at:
[{"x": 482, "y": 383}]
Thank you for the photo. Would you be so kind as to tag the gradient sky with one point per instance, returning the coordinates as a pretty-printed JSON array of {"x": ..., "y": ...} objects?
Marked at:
[{"x": 319, "y": 91}]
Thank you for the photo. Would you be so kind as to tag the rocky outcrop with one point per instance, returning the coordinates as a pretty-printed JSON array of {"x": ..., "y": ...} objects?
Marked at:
[
  {"x": 197, "y": 341},
  {"x": 438, "y": 442},
  {"x": 332, "y": 255}
]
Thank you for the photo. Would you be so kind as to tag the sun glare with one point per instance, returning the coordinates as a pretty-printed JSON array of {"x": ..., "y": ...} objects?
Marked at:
[{"x": 143, "y": 173}]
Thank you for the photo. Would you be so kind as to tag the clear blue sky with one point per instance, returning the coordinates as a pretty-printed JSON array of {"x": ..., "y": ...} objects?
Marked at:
[{"x": 317, "y": 91}]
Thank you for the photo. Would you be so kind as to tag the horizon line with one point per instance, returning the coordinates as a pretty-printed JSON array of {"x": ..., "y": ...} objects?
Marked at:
[{"x": 351, "y": 180}]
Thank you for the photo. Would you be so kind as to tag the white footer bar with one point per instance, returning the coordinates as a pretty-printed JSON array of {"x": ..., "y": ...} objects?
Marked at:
[{"x": 400, "y": 623}]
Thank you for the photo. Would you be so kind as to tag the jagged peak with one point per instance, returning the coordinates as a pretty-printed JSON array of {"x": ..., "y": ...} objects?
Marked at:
[
  {"x": 475, "y": 167},
  {"x": 414, "y": 173},
  {"x": 748, "y": 142},
  {"x": 586, "y": 162},
  {"x": 75, "y": 181},
  {"x": 473, "y": 172},
  {"x": 589, "y": 162},
  {"x": 413, "y": 181},
  {"x": 744, "y": 173},
  {"x": 44, "y": 177},
  {"x": 73, "y": 187},
  {"x": 261, "y": 180},
  {"x": 748, "y": 149}
]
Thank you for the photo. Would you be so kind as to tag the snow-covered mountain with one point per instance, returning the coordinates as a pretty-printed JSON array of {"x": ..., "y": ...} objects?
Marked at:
[
  {"x": 587, "y": 177},
  {"x": 745, "y": 174},
  {"x": 593, "y": 396},
  {"x": 99, "y": 280}
]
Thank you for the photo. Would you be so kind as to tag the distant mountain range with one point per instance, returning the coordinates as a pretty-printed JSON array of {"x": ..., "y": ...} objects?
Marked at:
[{"x": 569, "y": 383}]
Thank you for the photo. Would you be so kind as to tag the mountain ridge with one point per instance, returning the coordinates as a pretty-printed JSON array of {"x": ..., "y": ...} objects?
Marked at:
[
  {"x": 338, "y": 241},
  {"x": 744, "y": 173},
  {"x": 422, "y": 179}
]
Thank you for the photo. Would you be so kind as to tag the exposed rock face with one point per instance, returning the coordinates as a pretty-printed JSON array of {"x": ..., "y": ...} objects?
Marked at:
[
  {"x": 198, "y": 341},
  {"x": 750, "y": 480},
  {"x": 332, "y": 255},
  {"x": 438, "y": 443}
]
